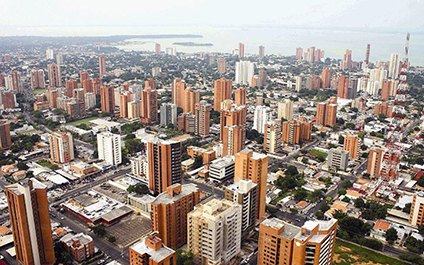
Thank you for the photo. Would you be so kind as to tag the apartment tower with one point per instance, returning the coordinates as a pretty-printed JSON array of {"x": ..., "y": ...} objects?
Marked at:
[
  {"x": 164, "y": 159},
  {"x": 223, "y": 89},
  {"x": 30, "y": 222},
  {"x": 61, "y": 147},
  {"x": 169, "y": 213}
]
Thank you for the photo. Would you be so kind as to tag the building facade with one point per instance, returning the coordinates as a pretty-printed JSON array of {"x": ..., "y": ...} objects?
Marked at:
[
  {"x": 109, "y": 148},
  {"x": 61, "y": 147}
]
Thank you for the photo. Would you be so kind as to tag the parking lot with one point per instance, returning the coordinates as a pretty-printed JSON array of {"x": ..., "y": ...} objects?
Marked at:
[{"x": 130, "y": 229}]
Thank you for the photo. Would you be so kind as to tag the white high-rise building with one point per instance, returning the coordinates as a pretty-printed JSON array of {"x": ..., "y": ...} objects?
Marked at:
[
  {"x": 90, "y": 100},
  {"x": 261, "y": 118},
  {"x": 117, "y": 93},
  {"x": 214, "y": 232},
  {"x": 140, "y": 167},
  {"x": 285, "y": 110},
  {"x": 171, "y": 51},
  {"x": 8, "y": 82},
  {"x": 135, "y": 92},
  {"x": 109, "y": 148},
  {"x": 168, "y": 114},
  {"x": 244, "y": 72},
  {"x": 394, "y": 65},
  {"x": 59, "y": 59},
  {"x": 49, "y": 54}
]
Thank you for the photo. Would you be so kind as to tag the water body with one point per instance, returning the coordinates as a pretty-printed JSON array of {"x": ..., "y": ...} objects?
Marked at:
[{"x": 276, "y": 39}]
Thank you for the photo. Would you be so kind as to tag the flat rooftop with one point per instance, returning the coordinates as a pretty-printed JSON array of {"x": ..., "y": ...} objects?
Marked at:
[
  {"x": 157, "y": 256},
  {"x": 290, "y": 231},
  {"x": 164, "y": 197}
]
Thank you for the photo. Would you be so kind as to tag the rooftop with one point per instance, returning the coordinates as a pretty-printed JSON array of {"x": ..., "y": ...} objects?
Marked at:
[
  {"x": 290, "y": 231},
  {"x": 70, "y": 238},
  {"x": 164, "y": 197},
  {"x": 157, "y": 256}
]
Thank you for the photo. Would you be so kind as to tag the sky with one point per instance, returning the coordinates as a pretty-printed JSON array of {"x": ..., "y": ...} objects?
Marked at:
[{"x": 358, "y": 14}]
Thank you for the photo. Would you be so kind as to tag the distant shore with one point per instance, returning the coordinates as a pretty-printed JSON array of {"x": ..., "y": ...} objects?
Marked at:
[{"x": 192, "y": 44}]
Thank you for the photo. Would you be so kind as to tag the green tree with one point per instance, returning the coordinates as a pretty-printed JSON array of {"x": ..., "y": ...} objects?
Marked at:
[
  {"x": 184, "y": 257},
  {"x": 291, "y": 171},
  {"x": 99, "y": 230},
  {"x": 391, "y": 235},
  {"x": 22, "y": 166},
  {"x": 359, "y": 203},
  {"x": 134, "y": 145},
  {"x": 300, "y": 194},
  {"x": 198, "y": 161}
]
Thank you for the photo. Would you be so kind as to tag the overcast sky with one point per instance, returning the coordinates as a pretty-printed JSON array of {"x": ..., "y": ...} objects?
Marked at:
[{"x": 375, "y": 14}]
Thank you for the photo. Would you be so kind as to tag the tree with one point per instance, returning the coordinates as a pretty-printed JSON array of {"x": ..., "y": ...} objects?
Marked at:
[
  {"x": 391, "y": 235},
  {"x": 99, "y": 230},
  {"x": 342, "y": 192},
  {"x": 347, "y": 184},
  {"x": 138, "y": 188},
  {"x": 421, "y": 229},
  {"x": 291, "y": 171},
  {"x": 110, "y": 238},
  {"x": 198, "y": 161},
  {"x": 359, "y": 203},
  {"x": 22, "y": 166},
  {"x": 260, "y": 140},
  {"x": 420, "y": 181},
  {"x": 134, "y": 145},
  {"x": 300, "y": 194},
  {"x": 414, "y": 245},
  {"x": 184, "y": 257},
  {"x": 354, "y": 226}
]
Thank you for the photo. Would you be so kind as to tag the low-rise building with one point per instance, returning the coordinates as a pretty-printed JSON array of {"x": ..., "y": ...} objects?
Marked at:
[
  {"x": 80, "y": 246},
  {"x": 151, "y": 251},
  {"x": 207, "y": 155},
  {"x": 222, "y": 169}
]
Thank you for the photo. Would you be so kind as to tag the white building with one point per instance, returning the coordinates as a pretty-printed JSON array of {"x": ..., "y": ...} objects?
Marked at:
[
  {"x": 244, "y": 72},
  {"x": 394, "y": 65},
  {"x": 90, "y": 100},
  {"x": 222, "y": 169},
  {"x": 168, "y": 114},
  {"x": 285, "y": 110},
  {"x": 49, "y": 54},
  {"x": 140, "y": 167},
  {"x": 109, "y": 148},
  {"x": 135, "y": 92},
  {"x": 244, "y": 193},
  {"x": 338, "y": 159},
  {"x": 261, "y": 118},
  {"x": 214, "y": 232}
]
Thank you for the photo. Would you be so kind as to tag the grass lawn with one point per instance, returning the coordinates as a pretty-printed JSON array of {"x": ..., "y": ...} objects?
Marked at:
[
  {"x": 86, "y": 121},
  {"x": 38, "y": 91},
  {"x": 360, "y": 254},
  {"x": 319, "y": 154}
]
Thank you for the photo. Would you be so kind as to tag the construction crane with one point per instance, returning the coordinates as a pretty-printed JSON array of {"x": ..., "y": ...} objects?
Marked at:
[{"x": 393, "y": 148}]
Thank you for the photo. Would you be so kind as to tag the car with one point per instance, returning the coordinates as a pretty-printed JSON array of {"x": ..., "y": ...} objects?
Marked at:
[
  {"x": 62, "y": 218},
  {"x": 1, "y": 257}
]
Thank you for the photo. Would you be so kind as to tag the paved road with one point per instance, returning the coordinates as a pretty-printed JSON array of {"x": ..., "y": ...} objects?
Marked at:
[{"x": 207, "y": 188}]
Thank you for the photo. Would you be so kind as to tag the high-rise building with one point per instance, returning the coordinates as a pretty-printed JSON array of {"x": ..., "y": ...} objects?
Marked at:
[
  {"x": 394, "y": 66},
  {"x": 149, "y": 105},
  {"x": 281, "y": 243},
  {"x": 261, "y": 79},
  {"x": 102, "y": 65},
  {"x": 59, "y": 59},
  {"x": 231, "y": 115},
  {"x": 351, "y": 145},
  {"x": 70, "y": 86},
  {"x": 186, "y": 122},
  {"x": 326, "y": 77},
  {"x": 2, "y": 83},
  {"x": 375, "y": 158},
  {"x": 244, "y": 72},
  {"x": 253, "y": 166},
  {"x": 178, "y": 87},
  {"x": 90, "y": 100},
  {"x": 150, "y": 83},
  {"x": 223, "y": 89},
  {"x": 55, "y": 77},
  {"x": 169, "y": 213},
  {"x": 49, "y": 54},
  {"x": 416, "y": 217},
  {"x": 107, "y": 99},
  {"x": 367, "y": 55},
  {"x": 299, "y": 53},
  {"x": 134, "y": 109},
  {"x": 124, "y": 99},
  {"x": 232, "y": 131},
  {"x": 244, "y": 193},
  {"x": 241, "y": 51},
  {"x": 347, "y": 87},
  {"x": 214, "y": 232},
  {"x": 61, "y": 147},
  {"x": 157, "y": 49},
  {"x": 83, "y": 77},
  {"x": 385, "y": 89},
  {"x": 338, "y": 159},
  {"x": 51, "y": 95},
  {"x": 109, "y": 148},
  {"x": 240, "y": 96},
  {"x": 164, "y": 159},
  {"x": 151, "y": 251},
  {"x": 311, "y": 55},
  {"x": 16, "y": 82},
  {"x": 346, "y": 63},
  {"x": 272, "y": 136},
  {"x": 261, "y": 52},
  {"x": 285, "y": 110},
  {"x": 202, "y": 118},
  {"x": 9, "y": 100},
  {"x": 261, "y": 118},
  {"x": 326, "y": 112},
  {"x": 222, "y": 65},
  {"x": 37, "y": 79},
  {"x": 383, "y": 108},
  {"x": 30, "y": 222},
  {"x": 168, "y": 114},
  {"x": 5, "y": 140}
]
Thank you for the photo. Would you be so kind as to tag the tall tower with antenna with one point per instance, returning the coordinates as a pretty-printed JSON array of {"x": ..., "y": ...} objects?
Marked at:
[{"x": 393, "y": 148}]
